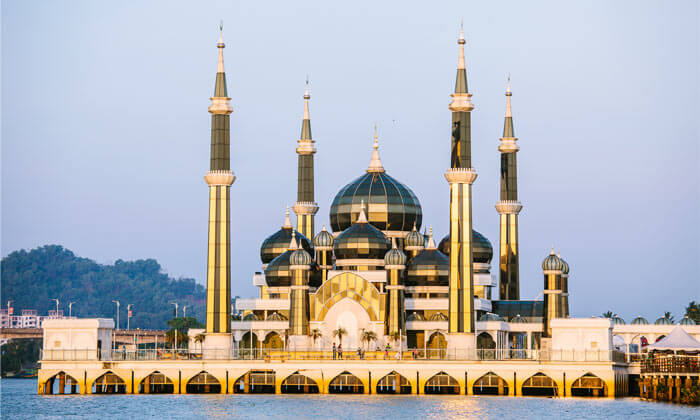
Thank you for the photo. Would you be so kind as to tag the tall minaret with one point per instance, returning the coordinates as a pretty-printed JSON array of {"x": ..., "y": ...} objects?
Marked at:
[
  {"x": 508, "y": 208},
  {"x": 305, "y": 207},
  {"x": 461, "y": 175},
  {"x": 219, "y": 178}
]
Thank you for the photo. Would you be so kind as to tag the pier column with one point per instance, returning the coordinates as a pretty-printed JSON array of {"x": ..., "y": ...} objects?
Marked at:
[{"x": 61, "y": 383}]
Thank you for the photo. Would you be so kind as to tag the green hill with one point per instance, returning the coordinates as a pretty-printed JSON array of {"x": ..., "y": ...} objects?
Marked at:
[{"x": 31, "y": 279}]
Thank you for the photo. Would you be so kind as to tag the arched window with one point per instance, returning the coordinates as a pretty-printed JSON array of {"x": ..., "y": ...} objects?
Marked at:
[
  {"x": 588, "y": 385},
  {"x": 437, "y": 346},
  {"x": 297, "y": 383},
  {"x": 203, "y": 383},
  {"x": 441, "y": 383},
  {"x": 109, "y": 383},
  {"x": 156, "y": 383},
  {"x": 539, "y": 384},
  {"x": 273, "y": 341},
  {"x": 490, "y": 384},
  {"x": 255, "y": 382},
  {"x": 393, "y": 383},
  {"x": 61, "y": 380},
  {"x": 346, "y": 383}
]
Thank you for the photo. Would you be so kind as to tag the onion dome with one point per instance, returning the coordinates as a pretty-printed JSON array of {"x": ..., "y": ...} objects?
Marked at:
[
  {"x": 278, "y": 242},
  {"x": 429, "y": 268},
  {"x": 391, "y": 206},
  {"x": 482, "y": 251},
  {"x": 616, "y": 320},
  {"x": 251, "y": 317},
  {"x": 300, "y": 257},
  {"x": 687, "y": 321},
  {"x": 278, "y": 272},
  {"x": 394, "y": 256},
  {"x": 488, "y": 316},
  {"x": 361, "y": 241},
  {"x": 323, "y": 238},
  {"x": 415, "y": 316},
  {"x": 276, "y": 316},
  {"x": 565, "y": 266},
  {"x": 518, "y": 320},
  {"x": 663, "y": 321},
  {"x": 414, "y": 239},
  {"x": 552, "y": 262},
  {"x": 438, "y": 316},
  {"x": 640, "y": 320}
]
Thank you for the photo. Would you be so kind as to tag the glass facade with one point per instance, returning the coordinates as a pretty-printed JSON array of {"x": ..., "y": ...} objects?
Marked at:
[
  {"x": 482, "y": 251},
  {"x": 529, "y": 310},
  {"x": 278, "y": 243},
  {"x": 429, "y": 268},
  {"x": 362, "y": 240}
]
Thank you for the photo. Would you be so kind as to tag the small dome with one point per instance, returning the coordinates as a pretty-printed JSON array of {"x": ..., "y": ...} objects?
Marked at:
[
  {"x": 429, "y": 268},
  {"x": 251, "y": 317},
  {"x": 438, "y": 316},
  {"x": 488, "y": 316},
  {"x": 361, "y": 241},
  {"x": 618, "y": 321},
  {"x": 565, "y": 266},
  {"x": 323, "y": 238},
  {"x": 414, "y": 239},
  {"x": 277, "y": 243},
  {"x": 518, "y": 320},
  {"x": 277, "y": 272},
  {"x": 687, "y": 321},
  {"x": 640, "y": 321},
  {"x": 415, "y": 316},
  {"x": 276, "y": 316},
  {"x": 300, "y": 257},
  {"x": 482, "y": 251},
  {"x": 395, "y": 257},
  {"x": 663, "y": 321},
  {"x": 552, "y": 262}
]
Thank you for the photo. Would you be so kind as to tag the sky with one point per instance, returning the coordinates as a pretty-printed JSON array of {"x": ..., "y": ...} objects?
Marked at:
[{"x": 105, "y": 130}]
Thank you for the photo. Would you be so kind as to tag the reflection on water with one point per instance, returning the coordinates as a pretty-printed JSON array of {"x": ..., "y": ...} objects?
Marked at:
[{"x": 20, "y": 401}]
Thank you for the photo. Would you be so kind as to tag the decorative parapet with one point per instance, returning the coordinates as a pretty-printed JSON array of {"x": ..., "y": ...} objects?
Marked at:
[
  {"x": 394, "y": 267},
  {"x": 219, "y": 178},
  {"x": 305, "y": 207},
  {"x": 220, "y": 105},
  {"x": 306, "y": 147},
  {"x": 461, "y": 102},
  {"x": 460, "y": 175},
  {"x": 508, "y": 145},
  {"x": 508, "y": 207}
]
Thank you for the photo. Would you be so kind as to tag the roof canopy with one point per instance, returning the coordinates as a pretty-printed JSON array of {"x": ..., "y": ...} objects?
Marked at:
[{"x": 677, "y": 339}]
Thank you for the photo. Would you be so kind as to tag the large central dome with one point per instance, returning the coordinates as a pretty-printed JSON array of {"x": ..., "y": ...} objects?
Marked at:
[{"x": 391, "y": 206}]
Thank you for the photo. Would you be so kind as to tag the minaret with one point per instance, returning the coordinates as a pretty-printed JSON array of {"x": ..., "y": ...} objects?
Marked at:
[
  {"x": 552, "y": 267},
  {"x": 299, "y": 264},
  {"x": 219, "y": 178},
  {"x": 461, "y": 175},
  {"x": 508, "y": 208},
  {"x": 323, "y": 244},
  {"x": 305, "y": 207},
  {"x": 564, "y": 287},
  {"x": 395, "y": 263}
]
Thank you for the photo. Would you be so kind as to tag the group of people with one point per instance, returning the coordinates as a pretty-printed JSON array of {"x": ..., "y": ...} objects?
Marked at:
[{"x": 337, "y": 351}]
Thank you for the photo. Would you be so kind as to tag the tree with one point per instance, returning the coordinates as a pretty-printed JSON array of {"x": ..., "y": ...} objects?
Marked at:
[
  {"x": 182, "y": 338},
  {"x": 668, "y": 316},
  {"x": 340, "y": 332},
  {"x": 198, "y": 339},
  {"x": 368, "y": 336},
  {"x": 608, "y": 314},
  {"x": 692, "y": 311},
  {"x": 395, "y": 336},
  {"x": 316, "y": 334}
]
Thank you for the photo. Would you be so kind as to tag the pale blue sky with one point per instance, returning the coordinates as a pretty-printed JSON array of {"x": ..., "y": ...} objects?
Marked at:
[{"x": 105, "y": 130}]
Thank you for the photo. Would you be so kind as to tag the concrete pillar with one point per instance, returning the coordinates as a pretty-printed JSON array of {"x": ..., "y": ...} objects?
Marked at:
[
  {"x": 61, "y": 383},
  {"x": 278, "y": 385}
]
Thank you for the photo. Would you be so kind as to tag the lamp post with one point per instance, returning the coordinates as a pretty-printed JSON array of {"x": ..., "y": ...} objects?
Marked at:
[
  {"x": 128, "y": 315},
  {"x": 70, "y": 309},
  {"x": 184, "y": 311},
  {"x": 117, "y": 302},
  {"x": 56, "y": 306},
  {"x": 175, "y": 303}
]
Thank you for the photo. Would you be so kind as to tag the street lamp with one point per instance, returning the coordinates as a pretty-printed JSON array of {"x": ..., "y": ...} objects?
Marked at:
[
  {"x": 175, "y": 303},
  {"x": 70, "y": 309},
  {"x": 128, "y": 315},
  {"x": 184, "y": 311},
  {"x": 56, "y": 307},
  {"x": 117, "y": 302}
]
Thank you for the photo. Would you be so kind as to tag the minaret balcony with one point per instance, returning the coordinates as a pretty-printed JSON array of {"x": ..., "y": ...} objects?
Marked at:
[
  {"x": 508, "y": 145},
  {"x": 508, "y": 207},
  {"x": 306, "y": 147},
  {"x": 220, "y": 105},
  {"x": 305, "y": 207},
  {"x": 219, "y": 178},
  {"x": 461, "y": 102},
  {"x": 460, "y": 175}
]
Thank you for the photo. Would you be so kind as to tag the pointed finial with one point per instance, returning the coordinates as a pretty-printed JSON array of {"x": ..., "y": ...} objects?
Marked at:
[
  {"x": 221, "y": 35},
  {"x": 362, "y": 218},
  {"x": 287, "y": 221},
  {"x": 306, "y": 93},
  {"x": 307, "y": 96},
  {"x": 324, "y": 228},
  {"x": 431, "y": 242},
  {"x": 414, "y": 226},
  {"x": 461, "y": 32},
  {"x": 293, "y": 243},
  {"x": 220, "y": 46},
  {"x": 375, "y": 165},
  {"x": 461, "y": 64},
  {"x": 552, "y": 251}
]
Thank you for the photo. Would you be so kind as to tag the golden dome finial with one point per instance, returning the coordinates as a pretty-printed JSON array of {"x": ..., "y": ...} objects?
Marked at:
[
  {"x": 287, "y": 221},
  {"x": 375, "y": 165}
]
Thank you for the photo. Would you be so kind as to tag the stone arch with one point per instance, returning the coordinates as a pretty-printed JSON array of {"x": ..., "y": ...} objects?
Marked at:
[
  {"x": 203, "y": 383},
  {"x": 273, "y": 341},
  {"x": 638, "y": 342},
  {"x": 346, "y": 383},
  {"x": 588, "y": 385},
  {"x": 249, "y": 345},
  {"x": 109, "y": 383},
  {"x": 156, "y": 383},
  {"x": 255, "y": 382},
  {"x": 393, "y": 383},
  {"x": 346, "y": 285},
  {"x": 63, "y": 380},
  {"x": 486, "y": 346},
  {"x": 296, "y": 383},
  {"x": 436, "y": 346},
  {"x": 539, "y": 384},
  {"x": 441, "y": 383},
  {"x": 490, "y": 384}
]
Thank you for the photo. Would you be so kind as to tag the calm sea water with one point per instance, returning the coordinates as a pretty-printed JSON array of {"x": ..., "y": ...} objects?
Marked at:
[{"x": 20, "y": 401}]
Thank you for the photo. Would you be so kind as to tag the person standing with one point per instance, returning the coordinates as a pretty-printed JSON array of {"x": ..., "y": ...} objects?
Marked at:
[
  {"x": 334, "y": 351},
  {"x": 340, "y": 351}
]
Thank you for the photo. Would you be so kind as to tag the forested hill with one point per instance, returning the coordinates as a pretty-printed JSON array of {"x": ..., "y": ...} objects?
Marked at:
[{"x": 31, "y": 279}]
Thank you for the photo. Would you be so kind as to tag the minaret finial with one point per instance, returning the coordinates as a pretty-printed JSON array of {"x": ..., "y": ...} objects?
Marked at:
[
  {"x": 375, "y": 165},
  {"x": 362, "y": 218},
  {"x": 552, "y": 251},
  {"x": 509, "y": 112},
  {"x": 221, "y": 46},
  {"x": 293, "y": 243},
  {"x": 461, "y": 65},
  {"x": 287, "y": 221},
  {"x": 431, "y": 241},
  {"x": 307, "y": 96}
]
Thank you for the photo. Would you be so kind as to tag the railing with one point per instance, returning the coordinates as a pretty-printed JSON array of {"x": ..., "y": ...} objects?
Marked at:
[
  {"x": 423, "y": 354},
  {"x": 670, "y": 364}
]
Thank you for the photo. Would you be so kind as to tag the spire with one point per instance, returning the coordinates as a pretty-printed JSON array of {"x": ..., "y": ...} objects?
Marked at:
[
  {"x": 375, "y": 165},
  {"x": 508, "y": 130},
  {"x": 552, "y": 251},
  {"x": 293, "y": 243},
  {"x": 287, "y": 222},
  {"x": 306, "y": 123},
  {"x": 220, "y": 89},
  {"x": 461, "y": 82},
  {"x": 431, "y": 242},
  {"x": 362, "y": 217}
]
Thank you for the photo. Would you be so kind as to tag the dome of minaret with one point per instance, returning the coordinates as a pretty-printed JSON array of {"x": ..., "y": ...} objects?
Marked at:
[
  {"x": 482, "y": 251},
  {"x": 361, "y": 241},
  {"x": 278, "y": 242},
  {"x": 395, "y": 256},
  {"x": 414, "y": 239},
  {"x": 278, "y": 272},
  {"x": 565, "y": 265},
  {"x": 552, "y": 262},
  {"x": 390, "y": 205},
  {"x": 323, "y": 238},
  {"x": 429, "y": 268}
]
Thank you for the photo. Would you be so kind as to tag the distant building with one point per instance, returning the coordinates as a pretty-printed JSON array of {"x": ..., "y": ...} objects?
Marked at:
[{"x": 29, "y": 318}]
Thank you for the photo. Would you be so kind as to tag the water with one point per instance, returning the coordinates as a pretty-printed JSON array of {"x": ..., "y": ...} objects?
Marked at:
[{"x": 20, "y": 401}]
